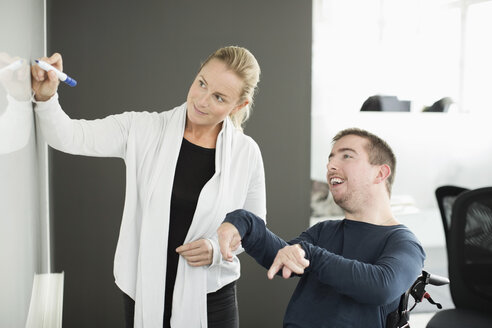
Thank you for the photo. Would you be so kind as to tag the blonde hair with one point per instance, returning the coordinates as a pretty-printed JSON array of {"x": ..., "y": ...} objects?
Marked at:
[{"x": 242, "y": 62}]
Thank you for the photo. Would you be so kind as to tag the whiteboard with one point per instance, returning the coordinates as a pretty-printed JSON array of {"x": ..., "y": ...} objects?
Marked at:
[{"x": 23, "y": 206}]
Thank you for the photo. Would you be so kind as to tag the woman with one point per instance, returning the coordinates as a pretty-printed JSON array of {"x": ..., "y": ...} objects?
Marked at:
[{"x": 185, "y": 169}]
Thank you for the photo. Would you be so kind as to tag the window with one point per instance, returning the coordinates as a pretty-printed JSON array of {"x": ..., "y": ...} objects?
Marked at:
[{"x": 420, "y": 51}]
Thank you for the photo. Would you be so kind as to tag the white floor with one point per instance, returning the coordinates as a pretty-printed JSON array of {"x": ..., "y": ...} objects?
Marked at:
[{"x": 420, "y": 320}]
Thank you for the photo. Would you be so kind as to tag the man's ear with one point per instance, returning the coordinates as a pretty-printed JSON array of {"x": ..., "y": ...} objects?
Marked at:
[
  {"x": 239, "y": 107},
  {"x": 383, "y": 173}
]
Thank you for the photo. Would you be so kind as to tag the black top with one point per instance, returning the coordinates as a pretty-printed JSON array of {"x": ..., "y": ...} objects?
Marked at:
[{"x": 195, "y": 166}]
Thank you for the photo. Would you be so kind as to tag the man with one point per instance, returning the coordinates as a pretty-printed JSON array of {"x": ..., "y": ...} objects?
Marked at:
[{"x": 353, "y": 271}]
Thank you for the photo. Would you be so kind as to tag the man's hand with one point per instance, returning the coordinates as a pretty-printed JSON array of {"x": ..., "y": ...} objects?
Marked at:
[
  {"x": 229, "y": 240},
  {"x": 289, "y": 259},
  {"x": 198, "y": 253}
]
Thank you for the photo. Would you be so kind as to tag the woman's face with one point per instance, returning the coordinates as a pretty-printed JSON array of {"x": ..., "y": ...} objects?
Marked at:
[{"x": 214, "y": 94}]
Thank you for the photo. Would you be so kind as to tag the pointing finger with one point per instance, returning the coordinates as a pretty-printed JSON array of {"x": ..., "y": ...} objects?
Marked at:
[{"x": 276, "y": 266}]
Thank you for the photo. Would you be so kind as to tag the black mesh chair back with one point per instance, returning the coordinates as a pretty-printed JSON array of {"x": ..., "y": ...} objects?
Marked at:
[
  {"x": 469, "y": 245},
  {"x": 470, "y": 250},
  {"x": 446, "y": 195}
]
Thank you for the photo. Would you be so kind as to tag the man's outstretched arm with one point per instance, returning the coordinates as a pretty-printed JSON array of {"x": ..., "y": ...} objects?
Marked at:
[{"x": 269, "y": 250}]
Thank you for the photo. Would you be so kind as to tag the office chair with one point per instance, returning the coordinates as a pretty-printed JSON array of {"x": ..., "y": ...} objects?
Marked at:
[
  {"x": 446, "y": 195},
  {"x": 380, "y": 103},
  {"x": 442, "y": 105},
  {"x": 470, "y": 262}
]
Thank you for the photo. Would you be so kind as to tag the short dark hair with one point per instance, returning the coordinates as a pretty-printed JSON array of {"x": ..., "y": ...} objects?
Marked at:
[{"x": 378, "y": 150}]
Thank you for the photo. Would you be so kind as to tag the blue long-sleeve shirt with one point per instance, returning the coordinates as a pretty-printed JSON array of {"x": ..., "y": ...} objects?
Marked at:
[{"x": 357, "y": 270}]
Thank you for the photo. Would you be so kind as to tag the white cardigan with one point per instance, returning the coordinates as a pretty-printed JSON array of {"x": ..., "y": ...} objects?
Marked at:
[{"x": 150, "y": 143}]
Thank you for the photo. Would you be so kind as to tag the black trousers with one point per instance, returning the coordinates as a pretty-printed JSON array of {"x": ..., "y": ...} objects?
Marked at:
[{"x": 222, "y": 310}]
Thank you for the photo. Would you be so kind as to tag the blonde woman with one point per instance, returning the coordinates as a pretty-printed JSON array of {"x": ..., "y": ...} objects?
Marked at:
[{"x": 186, "y": 168}]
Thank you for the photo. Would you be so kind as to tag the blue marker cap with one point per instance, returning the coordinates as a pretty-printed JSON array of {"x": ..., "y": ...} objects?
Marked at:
[{"x": 71, "y": 82}]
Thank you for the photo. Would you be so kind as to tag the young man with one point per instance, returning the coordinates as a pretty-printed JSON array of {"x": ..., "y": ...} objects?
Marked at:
[{"x": 353, "y": 271}]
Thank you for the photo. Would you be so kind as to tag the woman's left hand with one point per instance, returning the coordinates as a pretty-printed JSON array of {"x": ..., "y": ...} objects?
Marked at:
[{"x": 197, "y": 253}]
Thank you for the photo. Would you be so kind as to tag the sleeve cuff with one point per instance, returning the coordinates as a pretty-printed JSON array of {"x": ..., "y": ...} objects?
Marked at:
[
  {"x": 307, "y": 250},
  {"x": 43, "y": 105},
  {"x": 217, "y": 256},
  {"x": 239, "y": 219}
]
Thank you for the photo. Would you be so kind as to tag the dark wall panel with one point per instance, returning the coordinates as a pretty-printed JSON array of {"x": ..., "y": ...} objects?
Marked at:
[{"x": 143, "y": 55}]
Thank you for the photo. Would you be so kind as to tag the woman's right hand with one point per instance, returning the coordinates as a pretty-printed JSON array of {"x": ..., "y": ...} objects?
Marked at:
[{"x": 45, "y": 84}]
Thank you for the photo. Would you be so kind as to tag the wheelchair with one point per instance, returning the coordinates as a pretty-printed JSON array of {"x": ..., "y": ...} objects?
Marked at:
[{"x": 400, "y": 318}]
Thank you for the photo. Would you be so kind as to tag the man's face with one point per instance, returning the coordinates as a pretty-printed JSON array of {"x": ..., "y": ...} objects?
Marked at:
[{"x": 350, "y": 176}]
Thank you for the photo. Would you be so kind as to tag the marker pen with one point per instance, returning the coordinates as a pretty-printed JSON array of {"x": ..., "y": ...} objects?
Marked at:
[
  {"x": 12, "y": 66},
  {"x": 61, "y": 76}
]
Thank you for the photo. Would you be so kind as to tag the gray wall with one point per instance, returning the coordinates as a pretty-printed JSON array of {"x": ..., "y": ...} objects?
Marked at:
[{"x": 143, "y": 55}]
